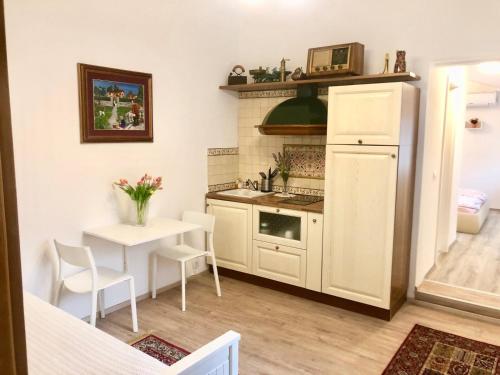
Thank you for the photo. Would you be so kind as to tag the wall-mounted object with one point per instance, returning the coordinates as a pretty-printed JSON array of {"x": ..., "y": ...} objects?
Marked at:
[
  {"x": 115, "y": 105},
  {"x": 400, "y": 64},
  {"x": 481, "y": 99},
  {"x": 473, "y": 123},
  {"x": 303, "y": 115},
  {"x": 341, "y": 59},
  {"x": 236, "y": 77}
]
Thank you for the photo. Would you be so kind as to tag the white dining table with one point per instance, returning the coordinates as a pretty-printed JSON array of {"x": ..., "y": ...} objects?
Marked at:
[{"x": 128, "y": 235}]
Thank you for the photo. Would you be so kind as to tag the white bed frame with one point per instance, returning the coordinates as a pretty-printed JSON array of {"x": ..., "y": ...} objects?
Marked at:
[
  {"x": 59, "y": 343},
  {"x": 218, "y": 357},
  {"x": 472, "y": 223}
]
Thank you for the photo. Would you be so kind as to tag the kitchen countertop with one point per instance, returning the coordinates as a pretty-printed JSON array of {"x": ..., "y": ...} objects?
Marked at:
[{"x": 270, "y": 201}]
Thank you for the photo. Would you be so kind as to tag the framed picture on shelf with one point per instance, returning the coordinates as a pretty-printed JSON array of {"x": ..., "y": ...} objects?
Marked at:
[{"x": 115, "y": 105}]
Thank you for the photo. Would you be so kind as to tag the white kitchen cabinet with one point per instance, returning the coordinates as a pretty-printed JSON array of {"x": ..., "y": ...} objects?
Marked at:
[
  {"x": 280, "y": 226},
  {"x": 233, "y": 234},
  {"x": 370, "y": 114},
  {"x": 279, "y": 263},
  {"x": 314, "y": 251},
  {"x": 360, "y": 188}
]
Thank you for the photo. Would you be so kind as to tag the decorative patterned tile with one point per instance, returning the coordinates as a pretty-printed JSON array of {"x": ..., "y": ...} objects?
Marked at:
[
  {"x": 300, "y": 190},
  {"x": 307, "y": 161},
  {"x": 222, "y": 151},
  {"x": 219, "y": 187},
  {"x": 268, "y": 94}
]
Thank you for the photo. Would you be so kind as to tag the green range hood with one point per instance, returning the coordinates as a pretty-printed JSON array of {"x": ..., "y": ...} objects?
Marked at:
[{"x": 303, "y": 115}]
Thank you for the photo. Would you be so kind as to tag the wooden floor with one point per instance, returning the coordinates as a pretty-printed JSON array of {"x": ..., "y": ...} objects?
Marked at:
[
  {"x": 282, "y": 334},
  {"x": 474, "y": 259}
]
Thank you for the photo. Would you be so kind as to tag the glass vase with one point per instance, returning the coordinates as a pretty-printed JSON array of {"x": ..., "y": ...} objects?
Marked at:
[{"x": 141, "y": 212}]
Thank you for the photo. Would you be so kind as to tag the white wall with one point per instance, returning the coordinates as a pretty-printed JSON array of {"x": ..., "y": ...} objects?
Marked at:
[
  {"x": 481, "y": 154},
  {"x": 189, "y": 46},
  {"x": 428, "y": 30},
  {"x": 64, "y": 186}
]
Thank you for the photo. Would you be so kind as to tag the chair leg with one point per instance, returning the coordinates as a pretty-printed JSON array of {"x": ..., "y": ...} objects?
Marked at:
[
  {"x": 133, "y": 306},
  {"x": 216, "y": 274},
  {"x": 153, "y": 281},
  {"x": 57, "y": 294},
  {"x": 101, "y": 304},
  {"x": 93, "y": 309},
  {"x": 183, "y": 281}
]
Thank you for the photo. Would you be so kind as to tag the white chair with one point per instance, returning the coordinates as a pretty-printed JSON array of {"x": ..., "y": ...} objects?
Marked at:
[
  {"x": 183, "y": 253},
  {"x": 91, "y": 279}
]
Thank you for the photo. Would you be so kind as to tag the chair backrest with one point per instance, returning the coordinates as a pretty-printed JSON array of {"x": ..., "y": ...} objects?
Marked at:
[
  {"x": 79, "y": 256},
  {"x": 206, "y": 221}
]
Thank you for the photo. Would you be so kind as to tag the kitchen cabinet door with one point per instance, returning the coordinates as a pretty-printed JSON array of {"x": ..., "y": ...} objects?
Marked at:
[
  {"x": 365, "y": 114},
  {"x": 279, "y": 263},
  {"x": 314, "y": 251},
  {"x": 360, "y": 196},
  {"x": 233, "y": 234}
]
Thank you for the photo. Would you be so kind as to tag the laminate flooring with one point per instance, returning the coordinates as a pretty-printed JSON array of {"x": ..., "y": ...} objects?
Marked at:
[
  {"x": 284, "y": 334},
  {"x": 474, "y": 259}
]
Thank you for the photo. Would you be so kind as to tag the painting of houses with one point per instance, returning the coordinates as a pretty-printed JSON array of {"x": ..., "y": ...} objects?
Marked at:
[{"x": 118, "y": 105}]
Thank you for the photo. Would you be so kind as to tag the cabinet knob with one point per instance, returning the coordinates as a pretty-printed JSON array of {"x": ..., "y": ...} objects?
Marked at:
[
  {"x": 393, "y": 156},
  {"x": 277, "y": 210},
  {"x": 277, "y": 247},
  {"x": 314, "y": 221},
  {"x": 360, "y": 141}
]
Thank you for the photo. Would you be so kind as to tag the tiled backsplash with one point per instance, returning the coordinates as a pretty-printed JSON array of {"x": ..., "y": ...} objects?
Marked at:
[
  {"x": 222, "y": 168},
  {"x": 255, "y": 150}
]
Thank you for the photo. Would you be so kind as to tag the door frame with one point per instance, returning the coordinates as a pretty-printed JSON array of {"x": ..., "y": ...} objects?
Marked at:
[{"x": 13, "y": 344}]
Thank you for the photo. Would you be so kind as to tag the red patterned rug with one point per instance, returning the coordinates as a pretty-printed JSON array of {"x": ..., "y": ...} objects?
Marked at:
[
  {"x": 427, "y": 351},
  {"x": 160, "y": 349}
]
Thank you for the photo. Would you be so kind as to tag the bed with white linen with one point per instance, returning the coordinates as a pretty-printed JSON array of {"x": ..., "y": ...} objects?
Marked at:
[
  {"x": 58, "y": 343},
  {"x": 473, "y": 210}
]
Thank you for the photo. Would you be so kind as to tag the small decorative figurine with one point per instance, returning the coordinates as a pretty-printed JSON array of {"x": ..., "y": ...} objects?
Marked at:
[
  {"x": 386, "y": 64},
  {"x": 265, "y": 75},
  {"x": 298, "y": 74},
  {"x": 236, "y": 77},
  {"x": 283, "y": 72},
  {"x": 400, "y": 65}
]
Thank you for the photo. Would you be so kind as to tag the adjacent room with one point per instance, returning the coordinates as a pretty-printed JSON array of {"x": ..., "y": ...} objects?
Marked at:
[
  {"x": 244, "y": 186},
  {"x": 467, "y": 246}
]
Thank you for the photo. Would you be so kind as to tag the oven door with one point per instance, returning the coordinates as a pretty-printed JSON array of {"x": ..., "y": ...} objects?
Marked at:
[{"x": 280, "y": 226}]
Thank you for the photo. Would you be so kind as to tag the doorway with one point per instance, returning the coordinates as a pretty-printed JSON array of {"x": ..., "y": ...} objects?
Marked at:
[{"x": 466, "y": 267}]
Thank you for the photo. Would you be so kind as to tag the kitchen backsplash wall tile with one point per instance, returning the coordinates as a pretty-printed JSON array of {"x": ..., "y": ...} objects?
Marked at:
[
  {"x": 255, "y": 150},
  {"x": 222, "y": 168},
  {"x": 308, "y": 161}
]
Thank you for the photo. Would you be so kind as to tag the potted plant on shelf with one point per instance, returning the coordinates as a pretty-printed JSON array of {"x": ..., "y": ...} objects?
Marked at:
[
  {"x": 140, "y": 194},
  {"x": 283, "y": 163}
]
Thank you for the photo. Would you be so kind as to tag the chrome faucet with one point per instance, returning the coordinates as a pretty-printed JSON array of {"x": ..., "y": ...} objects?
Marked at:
[{"x": 252, "y": 185}]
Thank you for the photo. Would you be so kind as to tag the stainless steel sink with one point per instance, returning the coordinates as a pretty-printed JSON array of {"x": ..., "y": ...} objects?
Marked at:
[{"x": 244, "y": 193}]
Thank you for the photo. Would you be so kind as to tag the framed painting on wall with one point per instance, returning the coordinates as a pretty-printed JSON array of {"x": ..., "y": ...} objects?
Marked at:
[{"x": 115, "y": 105}]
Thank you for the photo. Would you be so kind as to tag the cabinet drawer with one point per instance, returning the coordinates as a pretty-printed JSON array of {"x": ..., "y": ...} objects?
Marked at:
[
  {"x": 280, "y": 263},
  {"x": 280, "y": 226},
  {"x": 365, "y": 114}
]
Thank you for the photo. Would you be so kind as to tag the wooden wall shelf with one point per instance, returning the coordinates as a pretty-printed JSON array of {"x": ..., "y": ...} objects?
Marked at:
[{"x": 325, "y": 82}]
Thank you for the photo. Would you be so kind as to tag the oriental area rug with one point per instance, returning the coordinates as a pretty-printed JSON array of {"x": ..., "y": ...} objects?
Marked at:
[
  {"x": 427, "y": 351},
  {"x": 160, "y": 349}
]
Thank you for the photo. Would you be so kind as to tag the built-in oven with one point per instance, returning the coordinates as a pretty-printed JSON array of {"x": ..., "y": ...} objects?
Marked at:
[{"x": 280, "y": 226}]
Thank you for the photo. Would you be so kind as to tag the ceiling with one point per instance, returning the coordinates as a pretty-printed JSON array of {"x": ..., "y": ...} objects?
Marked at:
[{"x": 476, "y": 75}]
